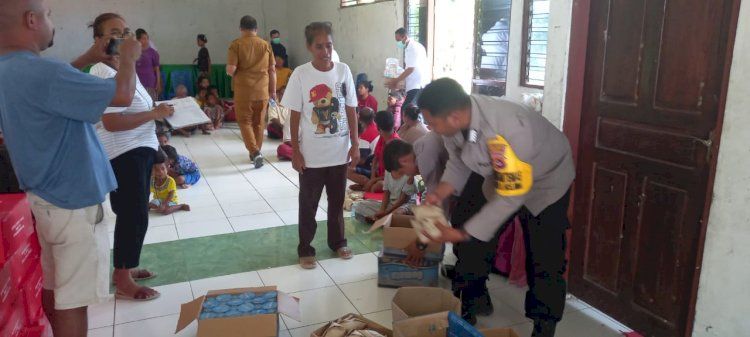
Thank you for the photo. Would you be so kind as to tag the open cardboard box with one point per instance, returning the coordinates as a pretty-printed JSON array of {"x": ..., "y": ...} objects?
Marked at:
[
  {"x": 398, "y": 234},
  {"x": 410, "y": 302},
  {"x": 370, "y": 326},
  {"x": 243, "y": 326},
  {"x": 436, "y": 325}
]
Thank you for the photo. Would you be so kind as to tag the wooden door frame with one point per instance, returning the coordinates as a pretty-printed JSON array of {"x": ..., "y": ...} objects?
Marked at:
[{"x": 574, "y": 97}]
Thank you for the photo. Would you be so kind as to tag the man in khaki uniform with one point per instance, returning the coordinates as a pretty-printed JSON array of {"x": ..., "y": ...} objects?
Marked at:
[
  {"x": 524, "y": 166},
  {"x": 253, "y": 69}
]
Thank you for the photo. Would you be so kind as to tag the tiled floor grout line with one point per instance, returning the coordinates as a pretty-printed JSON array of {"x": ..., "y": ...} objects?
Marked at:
[{"x": 247, "y": 179}]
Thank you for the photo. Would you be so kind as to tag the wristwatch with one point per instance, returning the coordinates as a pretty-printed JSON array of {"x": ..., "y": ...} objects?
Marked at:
[{"x": 421, "y": 246}]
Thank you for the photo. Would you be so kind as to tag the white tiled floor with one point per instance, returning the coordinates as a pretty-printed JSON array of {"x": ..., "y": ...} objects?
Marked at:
[{"x": 234, "y": 197}]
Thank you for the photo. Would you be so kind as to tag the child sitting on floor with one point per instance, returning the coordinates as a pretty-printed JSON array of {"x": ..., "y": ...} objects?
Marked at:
[
  {"x": 374, "y": 183},
  {"x": 163, "y": 138},
  {"x": 164, "y": 189},
  {"x": 399, "y": 187},
  {"x": 201, "y": 97},
  {"x": 181, "y": 168},
  {"x": 278, "y": 117},
  {"x": 214, "y": 111}
]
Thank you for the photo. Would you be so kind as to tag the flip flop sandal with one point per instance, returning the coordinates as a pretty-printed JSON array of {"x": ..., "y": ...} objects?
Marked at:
[
  {"x": 144, "y": 278},
  {"x": 135, "y": 297}
]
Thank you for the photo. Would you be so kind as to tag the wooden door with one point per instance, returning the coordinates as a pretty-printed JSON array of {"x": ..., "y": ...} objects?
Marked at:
[{"x": 655, "y": 72}]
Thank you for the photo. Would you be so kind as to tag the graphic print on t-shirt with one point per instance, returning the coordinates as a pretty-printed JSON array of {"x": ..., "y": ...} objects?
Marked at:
[{"x": 327, "y": 115}]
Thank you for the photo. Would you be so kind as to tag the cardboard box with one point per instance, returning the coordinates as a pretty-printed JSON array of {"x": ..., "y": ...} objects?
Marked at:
[
  {"x": 436, "y": 325},
  {"x": 245, "y": 326},
  {"x": 8, "y": 293},
  {"x": 31, "y": 296},
  {"x": 398, "y": 234},
  {"x": 370, "y": 326},
  {"x": 16, "y": 224},
  {"x": 410, "y": 302},
  {"x": 24, "y": 260}
]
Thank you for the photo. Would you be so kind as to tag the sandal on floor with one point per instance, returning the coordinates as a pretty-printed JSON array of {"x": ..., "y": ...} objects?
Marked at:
[
  {"x": 143, "y": 274},
  {"x": 308, "y": 262},
  {"x": 135, "y": 297},
  {"x": 344, "y": 253}
]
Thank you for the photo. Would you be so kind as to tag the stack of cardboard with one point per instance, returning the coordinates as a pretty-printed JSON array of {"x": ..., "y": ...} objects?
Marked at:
[
  {"x": 426, "y": 312},
  {"x": 393, "y": 271},
  {"x": 21, "y": 313},
  {"x": 251, "y": 325}
]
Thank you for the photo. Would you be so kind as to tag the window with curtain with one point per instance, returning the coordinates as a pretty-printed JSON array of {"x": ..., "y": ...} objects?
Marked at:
[
  {"x": 416, "y": 20},
  {"x": 535, "y": 27},
  {"x": 491, "y": 47},
  {"x": 349, "y": 3}
]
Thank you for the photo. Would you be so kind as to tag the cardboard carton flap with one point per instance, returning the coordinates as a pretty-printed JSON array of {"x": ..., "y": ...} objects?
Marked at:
[
  {"x": 189, "y": 312},
  {"x": 289, "y": 306},
  {"x": 434, "y": 325},
  {"x": 240, "y": 291},
  {"x": 418, "y": 301},
  {"x": 258, "y": 326},
  {"x": 502, "y": 332}
]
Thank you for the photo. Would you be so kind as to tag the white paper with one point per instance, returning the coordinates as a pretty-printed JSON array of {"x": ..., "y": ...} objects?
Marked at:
[
  {"x": 382, "y": 222},
  {"x": 187, "y": 113},
  {"x": 289, "y": 306}
]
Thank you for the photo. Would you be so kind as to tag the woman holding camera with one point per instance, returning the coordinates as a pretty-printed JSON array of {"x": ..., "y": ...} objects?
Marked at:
[{"x": 129, "y": 138}]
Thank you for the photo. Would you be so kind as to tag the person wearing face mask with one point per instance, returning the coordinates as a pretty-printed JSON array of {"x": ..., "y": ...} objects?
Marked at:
[
  {"x": 278, "y": 48},
  {"x": 48, "y": 110},
  {"x": 416, "y": 74}
]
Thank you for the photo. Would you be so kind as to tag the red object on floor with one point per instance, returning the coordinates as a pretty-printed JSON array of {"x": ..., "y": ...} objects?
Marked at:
[
  {"x": 374, "y": 196},
  {"x": 518, "y": 257},
  {"x": 16, "y": 224},
  {"x": 25, "y": 260},
  {"x": 31, "y": 296},
  {"x": 285, "y": 151},
  {"x": 16, "y": 323},
  {"x": 8, "y": 293},
  {"x": 631, "y": 334}
]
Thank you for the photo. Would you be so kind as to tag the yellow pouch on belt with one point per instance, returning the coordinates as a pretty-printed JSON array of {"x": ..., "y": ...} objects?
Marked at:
[{"x": 514, "y": 177}]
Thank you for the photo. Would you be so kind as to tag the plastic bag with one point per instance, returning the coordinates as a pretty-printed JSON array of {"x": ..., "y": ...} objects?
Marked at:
[{"x": 392, "y": 68}]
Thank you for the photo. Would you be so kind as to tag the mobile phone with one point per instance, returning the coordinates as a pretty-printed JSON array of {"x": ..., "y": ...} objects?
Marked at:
[{"x": 113, "y": 48}]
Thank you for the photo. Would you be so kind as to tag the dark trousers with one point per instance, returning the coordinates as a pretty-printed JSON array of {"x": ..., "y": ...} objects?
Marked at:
[
  {"x": 545, "y": 240},
  {"x": 545, "y": 255},
  {"x": 411, "y": 98},
  {"x": 311, "y": 183},
  {"x": 475, "y": 257},
  {"x": 130, "y": 203}
]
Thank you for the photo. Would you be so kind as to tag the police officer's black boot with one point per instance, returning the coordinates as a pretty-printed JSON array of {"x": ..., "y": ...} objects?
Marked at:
[
  {"x": 484, "y": 305},
  {"x": 544, "y": 328},
  {"x": 468, "y": 313}
]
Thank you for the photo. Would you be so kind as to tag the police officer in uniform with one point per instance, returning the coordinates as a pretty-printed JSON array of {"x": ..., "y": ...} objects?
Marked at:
[{"x": 527, "y": 170}]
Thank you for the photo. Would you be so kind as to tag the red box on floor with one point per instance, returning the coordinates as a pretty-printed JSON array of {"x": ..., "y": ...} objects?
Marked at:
[
  {"x": 16, "y": 224},
  {"x": 16, "y": 323},
  {"x": 31, "y": 296},
  {"x": 8, "y": 293},
  {"x": 40, "y": 328},
  {"x": 24, "y": 261}
]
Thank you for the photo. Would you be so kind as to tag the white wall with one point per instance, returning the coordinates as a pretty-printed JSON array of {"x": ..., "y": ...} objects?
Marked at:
[
  {"x": 172, "y": 24},
  {"x": 362, "y": 35},
  {"x": 724, "y": 291},
  {"x": 556, "y": 76}
]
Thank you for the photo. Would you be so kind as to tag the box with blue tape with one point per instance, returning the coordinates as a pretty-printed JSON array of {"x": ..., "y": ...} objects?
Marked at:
[
  {"x": 393, "y": 271},
  {"x": 444, "y": 324}
]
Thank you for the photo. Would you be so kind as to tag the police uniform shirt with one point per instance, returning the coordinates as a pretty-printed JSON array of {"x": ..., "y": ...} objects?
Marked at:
[{"x": 533, "y": 140}]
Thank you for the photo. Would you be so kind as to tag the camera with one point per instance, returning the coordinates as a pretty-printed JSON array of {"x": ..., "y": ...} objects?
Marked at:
[{"x": 113, "y": 48}]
